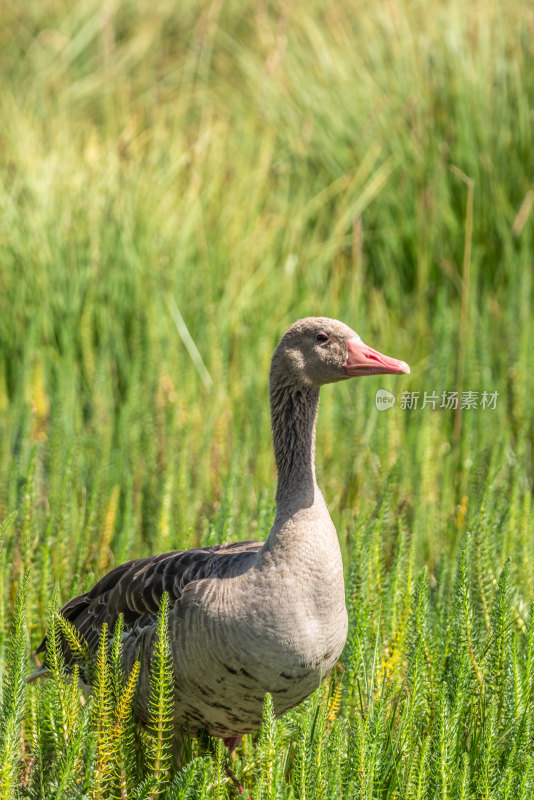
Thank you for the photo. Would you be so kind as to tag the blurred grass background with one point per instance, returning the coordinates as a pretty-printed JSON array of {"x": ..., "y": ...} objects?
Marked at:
[
  {"x": 248, "y": 169},
  {"x": 215, "y": 170}
]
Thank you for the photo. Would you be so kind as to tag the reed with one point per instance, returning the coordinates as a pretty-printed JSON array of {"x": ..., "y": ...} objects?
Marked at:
[{"x": 176, "y": 187}]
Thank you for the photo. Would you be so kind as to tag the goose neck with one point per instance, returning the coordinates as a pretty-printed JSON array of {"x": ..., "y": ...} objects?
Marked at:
[{"x": 293, "y": 418}]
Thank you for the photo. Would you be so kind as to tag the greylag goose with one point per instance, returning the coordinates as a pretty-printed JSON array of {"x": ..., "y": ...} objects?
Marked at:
[{"x": 249, "y": 618}]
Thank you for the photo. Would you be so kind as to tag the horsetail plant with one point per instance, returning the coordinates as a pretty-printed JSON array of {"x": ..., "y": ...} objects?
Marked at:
[
  {"x": 161, "y": 700},
  {"x": 13, "y": 698},
  {"x": 248, "y": 168}
]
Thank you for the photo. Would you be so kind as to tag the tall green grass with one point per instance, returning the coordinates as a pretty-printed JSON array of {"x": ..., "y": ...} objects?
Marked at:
[{"x": 177, "y": 185}]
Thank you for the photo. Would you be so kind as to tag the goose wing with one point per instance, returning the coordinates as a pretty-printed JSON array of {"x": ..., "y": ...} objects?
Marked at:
[{"x": 135, "y": 588}]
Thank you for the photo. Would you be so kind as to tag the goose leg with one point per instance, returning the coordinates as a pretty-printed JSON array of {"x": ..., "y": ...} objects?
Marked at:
[{"x": 232, "y": 743}]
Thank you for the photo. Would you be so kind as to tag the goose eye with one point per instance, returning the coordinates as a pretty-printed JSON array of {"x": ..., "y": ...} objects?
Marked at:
[{"x": 322, "y": 337}]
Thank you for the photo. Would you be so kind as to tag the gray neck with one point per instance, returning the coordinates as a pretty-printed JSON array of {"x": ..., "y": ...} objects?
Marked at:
[
  {"x": 293, "y": 416},
  {"x": 302, "y": 531}
]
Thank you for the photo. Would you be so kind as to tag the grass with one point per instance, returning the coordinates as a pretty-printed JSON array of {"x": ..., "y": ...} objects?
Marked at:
[{"x": 177, "y": 185}]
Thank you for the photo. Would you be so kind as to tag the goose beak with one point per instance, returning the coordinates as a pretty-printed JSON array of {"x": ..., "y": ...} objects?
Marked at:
[{"x": 363, "y": 360}]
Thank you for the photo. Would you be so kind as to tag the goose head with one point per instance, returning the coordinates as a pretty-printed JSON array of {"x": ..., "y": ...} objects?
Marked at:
[{"x": 319, "y": 350}]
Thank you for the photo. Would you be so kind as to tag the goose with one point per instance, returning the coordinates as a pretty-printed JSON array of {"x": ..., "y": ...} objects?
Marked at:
[{"x": 247, "y": 618}]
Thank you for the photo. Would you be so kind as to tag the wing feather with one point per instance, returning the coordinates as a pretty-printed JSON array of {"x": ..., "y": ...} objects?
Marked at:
[{"x": 135, "y": 588}]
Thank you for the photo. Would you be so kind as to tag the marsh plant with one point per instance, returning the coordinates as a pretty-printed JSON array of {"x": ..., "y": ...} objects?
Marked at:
[{"x": 176, "y": 187}]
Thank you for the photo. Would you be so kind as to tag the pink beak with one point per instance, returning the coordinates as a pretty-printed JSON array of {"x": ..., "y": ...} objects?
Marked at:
[{"x": 363, "y": 360}]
